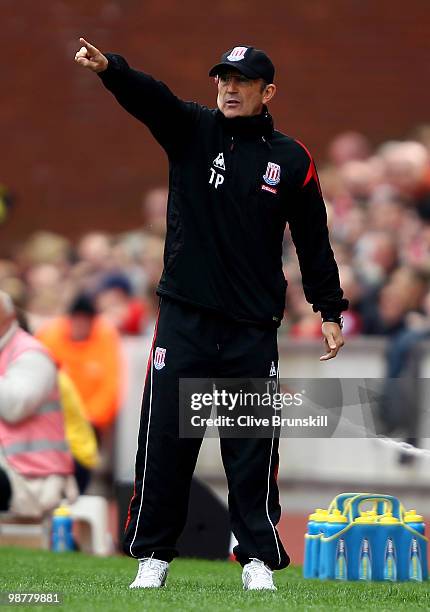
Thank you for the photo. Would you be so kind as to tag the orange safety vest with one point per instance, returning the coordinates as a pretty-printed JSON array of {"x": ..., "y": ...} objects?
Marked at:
[{"x": 36, "y": 446}]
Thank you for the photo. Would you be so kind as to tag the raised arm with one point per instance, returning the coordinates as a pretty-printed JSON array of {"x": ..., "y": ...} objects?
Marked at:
[{"x": 150, "y": 101}]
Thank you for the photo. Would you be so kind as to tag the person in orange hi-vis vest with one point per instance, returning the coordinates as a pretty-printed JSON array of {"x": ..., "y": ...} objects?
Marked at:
[{"x": 88, "y": 349}]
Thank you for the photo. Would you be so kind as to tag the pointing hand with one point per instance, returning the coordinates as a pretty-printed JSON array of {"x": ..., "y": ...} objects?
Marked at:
[{"x": 90, "y": 57}]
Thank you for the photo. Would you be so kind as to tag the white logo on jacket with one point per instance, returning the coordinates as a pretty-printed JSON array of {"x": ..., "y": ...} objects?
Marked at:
[
  {"x": 218, "y": 162},
  {"x": 273, "y": 174},
  {"x": 159, "y": 357},
  {"x": 216, "y": 179}
]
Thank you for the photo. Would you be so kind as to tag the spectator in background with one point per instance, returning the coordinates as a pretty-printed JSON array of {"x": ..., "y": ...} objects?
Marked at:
[
  {"x": 348, "y": 146},
  {"x": 44, "y": 248},
  {"x": 116, "y": 302},
  {"x": 359, "y": 178},
  {"x": 42, "y": 264},
  {"x": 35, "y": 463},
  {"x": 376, "y": 257},
  {"x": 401, "y": 294},
  {"x": 94, "y": 250},
  {"x": 87, "y": 347},
  {"x": 48, "y": 291},
  {"x": 406, "y": 166},
  {"x": 94, "y": 260}
]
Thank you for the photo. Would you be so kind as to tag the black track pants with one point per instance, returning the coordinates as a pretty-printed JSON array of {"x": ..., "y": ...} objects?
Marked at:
[{"x": 199, "y": 344}]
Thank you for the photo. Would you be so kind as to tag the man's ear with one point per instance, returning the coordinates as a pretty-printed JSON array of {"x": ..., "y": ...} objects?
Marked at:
[{"x": 269, "y": 92}]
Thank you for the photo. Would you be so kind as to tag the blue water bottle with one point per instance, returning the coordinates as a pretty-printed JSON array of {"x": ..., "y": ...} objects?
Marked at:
[
  {"x": 362, "y": 536},
  {"x": 62, "y": 524},
  {"x": 414, "y": 544},
  {"x": 316, "y": 523},
  {"x": 387, "y": 547},
  {"x": 333, "y": 552}
]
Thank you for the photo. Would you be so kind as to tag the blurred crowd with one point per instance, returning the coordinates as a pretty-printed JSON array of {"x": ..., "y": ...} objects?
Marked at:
[
  {"x": 117, "y": 273},
  {"x": 378, "y": 205}
]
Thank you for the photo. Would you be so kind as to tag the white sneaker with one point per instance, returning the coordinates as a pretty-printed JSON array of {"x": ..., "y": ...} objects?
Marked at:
[
  {"x": 256, "y": 576},
  {"x": 152, "y": 574}
]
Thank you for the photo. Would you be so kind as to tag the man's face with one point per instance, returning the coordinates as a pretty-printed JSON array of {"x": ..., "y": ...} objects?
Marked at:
[
  {"x": 81, "y": 326},
  {"x": 239, "y": 96}
]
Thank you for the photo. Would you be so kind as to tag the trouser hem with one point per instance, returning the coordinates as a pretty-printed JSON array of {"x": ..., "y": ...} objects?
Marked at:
[{"x": 266, "y": 557}]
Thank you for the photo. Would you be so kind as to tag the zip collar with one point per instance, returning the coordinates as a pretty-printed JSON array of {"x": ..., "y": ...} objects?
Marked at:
[{"x": 256, "y": 126}]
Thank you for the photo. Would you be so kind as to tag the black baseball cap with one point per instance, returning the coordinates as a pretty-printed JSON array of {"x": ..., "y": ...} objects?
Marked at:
[
  {"x": 251, "y": 62},
  {"x": 82, "y": 304}
]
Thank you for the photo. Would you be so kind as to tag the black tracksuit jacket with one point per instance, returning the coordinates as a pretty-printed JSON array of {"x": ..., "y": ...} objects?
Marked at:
[{"x": 227, "y": 213}]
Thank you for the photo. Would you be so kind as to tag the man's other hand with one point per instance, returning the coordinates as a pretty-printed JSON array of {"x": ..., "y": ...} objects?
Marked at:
[
  {"x": 90, "y": 57},
  {"x": 333, "y": 339}
]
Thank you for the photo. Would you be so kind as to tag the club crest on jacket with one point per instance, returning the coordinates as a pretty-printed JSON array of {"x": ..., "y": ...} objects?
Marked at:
[
  {"x": 273, "y": 174},
  {"x": 159, "y": 357}
]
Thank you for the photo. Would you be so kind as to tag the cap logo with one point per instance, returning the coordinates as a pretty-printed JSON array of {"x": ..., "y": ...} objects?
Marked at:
[{"x": 237, "y": 54}]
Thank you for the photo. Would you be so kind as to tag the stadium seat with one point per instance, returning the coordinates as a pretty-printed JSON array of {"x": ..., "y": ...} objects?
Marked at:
[{"x": 90, "y": 514}]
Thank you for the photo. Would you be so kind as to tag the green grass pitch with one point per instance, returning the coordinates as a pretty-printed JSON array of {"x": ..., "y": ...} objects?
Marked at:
[{"x": 90, "y": 583}]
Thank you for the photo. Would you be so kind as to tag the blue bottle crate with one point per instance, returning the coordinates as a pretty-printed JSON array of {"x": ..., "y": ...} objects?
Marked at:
[{"x": 350, "y": 543}]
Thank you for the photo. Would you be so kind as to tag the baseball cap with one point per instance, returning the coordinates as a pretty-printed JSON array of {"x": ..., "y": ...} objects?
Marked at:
[
  {"x": 251, "y": 62},
  {"x": 82, "y": 304}
]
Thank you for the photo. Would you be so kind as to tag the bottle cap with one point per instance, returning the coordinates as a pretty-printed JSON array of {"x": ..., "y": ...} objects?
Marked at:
[
  {"x": 62, "y": 511},
  {"x": 366, "y": 518},
  {"x": 388, "y": 519},
  {"x": 336, "y": 517},
  {"x": 411, "y": 516},
  {"x": 320, "y": 515}
]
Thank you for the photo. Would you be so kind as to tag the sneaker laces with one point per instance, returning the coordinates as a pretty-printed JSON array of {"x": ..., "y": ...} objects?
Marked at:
[
  {"x": 151, "y": 568},
  {"x": 257, "y": 569}
]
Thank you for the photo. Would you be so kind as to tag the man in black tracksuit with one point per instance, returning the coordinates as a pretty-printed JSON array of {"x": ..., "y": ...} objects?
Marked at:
[{"x": 234, "y": 184}]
